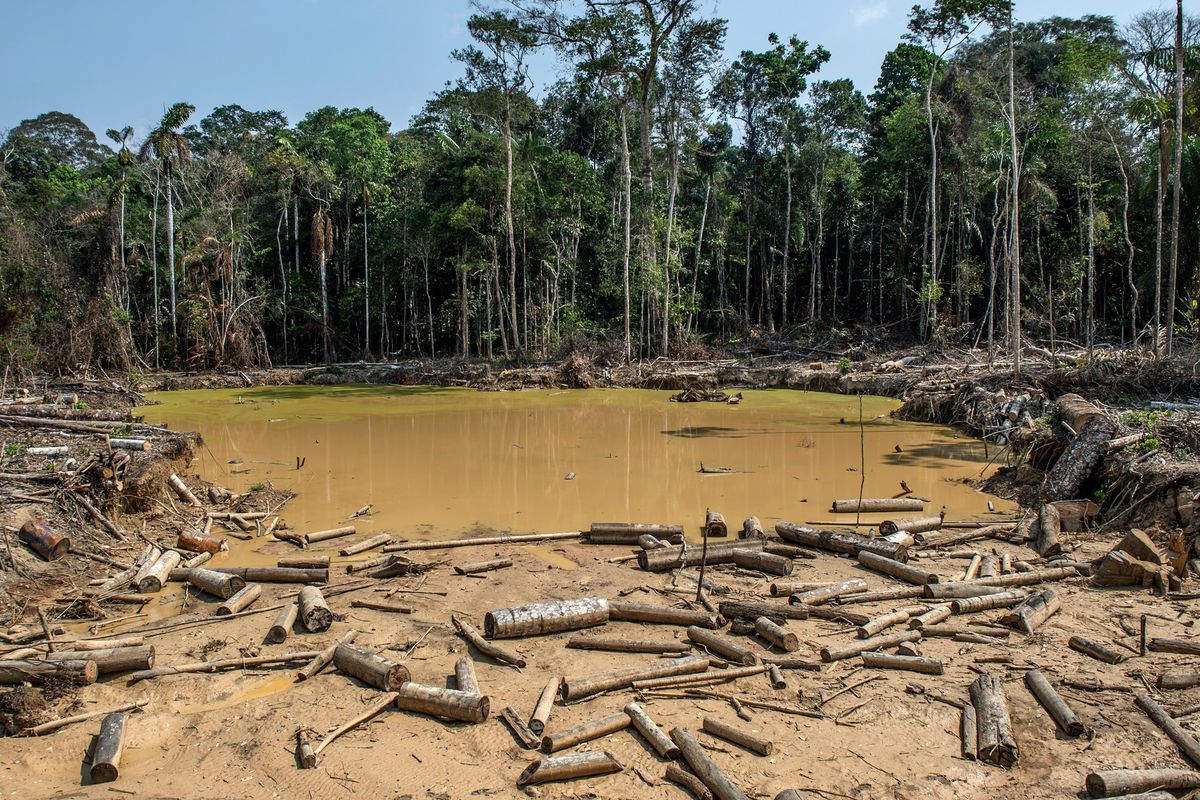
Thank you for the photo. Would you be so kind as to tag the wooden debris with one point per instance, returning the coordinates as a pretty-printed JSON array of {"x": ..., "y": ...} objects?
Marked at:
[
  {"x": 379, "y": 704},
  {"x": 829, "y": 654},
  {"x": 375, "y": 605},
  {"x": 763, "y": 562},
  {"x": 528, "y": 739},
  {"x": 325, "y": 657},
  {"x": 748, "y": 610},
  {"x": 483, "y": 566},
  {"x": 752, "y": 529},
  {"x": 721, "y": 645},
  {"x": 483, "y": 541},
  {"x": 110, "y": 660},
  {"x": 881, "y": 623},
  {"x": 716, "y": 676},
  {"x": 730, "y": 733},
  {"x": 314, "y": 612},
  {"x": 654, "y": 735},
  {"x": 180, "y": 488},
  {"x": 933, "y": 616},
  {"x": 928, "y": 522},
  {"x": 475, "y": 638},
  {"x": 153, "y": 575},
  {"x": 365, "y": 545},
  {"x": 667, "y": 558},
  {"x": 928, "y": 666},
  {"x": 438, "y": 702},
  {"x": 626, "y": 645},
  {"x": 222, "y": 585},
  {"x": 548, "y": 617},
  {"x": 222, "y": 664},
  {"x": 875, "y": 504},
  {"x": 22, "y": 670},
  {"x": 628, "y": 533},
  {"x": 332, "y": 533},
  {"x": 199, "y": 542},
  {"x": 775, "y": 675},
  {"x": 896, "y": 569},
  {"x": 106, "y": 758},
  {"x": 971, "y": 605},
  {"x": 1030, "y": 615},
  {"x": 996, "y": 743},
  {"x": 834, "y": 541},
  {"x": 544, "y": 705},
  {"x": 1114, "y": 782},
  {"x": 1176, "y": 732},
  {"x": 240, "y": 601},
  {"x": 565, "y": 768},
  {"x": 574, "y": 689},
  {"x": 1185, "y": 647},
  {"x": 969, "y": 732},
  {"x": 717, "y": 781},
  {"x": 661, "y": 615},
  {"x": 281, "y": 628},
  {"x": 370, "y": 668},
  {"x": 1095, "y": 650},
  {"x": 1054, "y": 704},
  {"x": 586, "y": 732}
]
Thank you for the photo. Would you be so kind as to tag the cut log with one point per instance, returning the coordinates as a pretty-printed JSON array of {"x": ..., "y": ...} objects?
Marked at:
[
  {"x": 952, "y": 538},
  {"x": 565, "y": 768},
  {"x": 1038, "y": 608},
  {"x": 775, "y": 675},
  {"x": 661, "y": 615},
  {"x": 745, "y": 609},
  {"x": 180, "y": 488},
  {"x": 752, "y": 529},
  {"x": 834, "y": 541},
  {"x": 219, "y": 584},
  {"x": 325, "y": 657},
  {"x": 483, "y": 566},
  {"x": 110, "y": 660},
  {"x": 1052, "y": 701},
  {"x": 776, "y": 634},
  {"x": 971, "y": 605},
  {"x": 790, "y": 794},
  {"x": 435, "y": 701},
  {"x": 698, "y": 761},
  {"x": 476, "y": 640},
  {"x": 1049, "y": 526},
  {"x": 242, "y": 600},
  {"x": 199, "y": 542},
  {"x": 1077, "y": 462},
  {"x": 928, "y": 522},
  {"x": 654, "y": 735},
  {"x": 778, "y": 548},
  {"x": 996, "y": 743},
  {"x": 763, "y": 562},
  {"x": 719, "y": 645},
  {"x": 47, "y": 451},
  {"x": 626, "y": 645},
  {"x": 391, "y": 608},
  {"x": 464, "y": 676},
  {"x": 1186, "y": 647},
  {"x": 877, "y": 625},
  {"x": 266, "y": 574},
  {"x": 370, "y": 668},
  {"x": 525, "y": 737},
  {"x": 969, "y": 732},
  {"x": 151, "y": 577},
  {"x": 629, "y": 532},
  {"x": 648, "y": 542},
  {"x": 1176, "y": 732},
  {"x": 314, "y": 614},
  {"x": 106, "y": 757},
  {"x": 543, "y": 707},
  {"x": 829, "y": 654},
  {"x": 550, "y": 617},
  {"x": 731, "y": 733},
  {"x": 922, "y": 664},
  {"x": 827, "y": 593},
  {"x": 875, "y": 504},
  {"x": 305, "y": 561},
  {"x": 482, "y": 541},
  {"x": 281, "y": 628},
  {"x": 933, "y": 616},
  {"x": 667, "y": 558},
  {"x": 21, "y": 670},
  {"x": 688, "y": 781},
  {"x": 1114, "y": 782},
  {"x": 140, "y": 445},
  {"x": 44, "y": 540},
  {"x": 896, "y": 569},
  {"x": 365, "y": 545},
  {"x": 1095, "y": 650},
  {"x": 990, "y": 566},
  {"x": 1178, "y": 680},
  {"x": 1044, "y": 575},
  {"x": 588, "y": 731},
  {"x": 332, "y": 533},
  {"x": 574, "y": 689},
  {"x": 716, "y": 676},
  {"x": 714, "y": 524},
  {"x": 906, "y": 593},
  {"x": 304, "y": 749}
]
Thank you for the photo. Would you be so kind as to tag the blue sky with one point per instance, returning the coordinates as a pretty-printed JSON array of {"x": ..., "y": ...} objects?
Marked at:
[{"x": 114, "y": 64}]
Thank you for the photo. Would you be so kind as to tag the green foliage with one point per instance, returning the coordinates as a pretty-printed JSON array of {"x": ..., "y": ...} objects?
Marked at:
[
  {"x": 14, "y": 449},
  {"x": 843, "y": 365}
]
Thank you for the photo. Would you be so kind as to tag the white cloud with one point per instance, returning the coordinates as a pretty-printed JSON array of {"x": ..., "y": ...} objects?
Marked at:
[{"x": 869, "y": 13}]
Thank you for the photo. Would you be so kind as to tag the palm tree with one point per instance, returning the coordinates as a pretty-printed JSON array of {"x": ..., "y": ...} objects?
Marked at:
[
  {"x": 121, "y": 138},
  {"x": 170, "y": 148}
]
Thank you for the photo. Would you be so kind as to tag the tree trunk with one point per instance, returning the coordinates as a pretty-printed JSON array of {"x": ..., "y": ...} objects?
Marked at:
[
  {"x": 366, "y": 288},
  {"x": 171, "y": 247},
  {"x": 1177, "y": 173},
  {"x": 508, "y": 222},
  {"x": 1014, "y": 232},
  {"x": 628, "y": 174}
]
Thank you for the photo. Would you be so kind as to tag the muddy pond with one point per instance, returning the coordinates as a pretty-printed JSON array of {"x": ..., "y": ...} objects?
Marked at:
[{"x": 438, "y": 462}]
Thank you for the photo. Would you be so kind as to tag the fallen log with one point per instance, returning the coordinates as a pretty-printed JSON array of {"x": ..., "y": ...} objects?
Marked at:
[
  {"x": 586, "y": 732},
  {"x": 969, "y": 732},
  {"x": 1079, "y": 459},
  {"x": 266, "y": 574},
  {"x": 240, "y": 601},
  {"x": 370, "y": 668},
  {"x": 435, "y": 701},
  {"x": 221, "y": 664},
  {"x": 1185, "y": 647},
  {"x": 219, "y": 584},
  {"x": 106, "y": 757},
  {"x": 667, "y": 558},
  {"x": 660, "y": 615},
  {"x": 475, "y": 639},
  {"x": 929, "y": 522},
  {"x": 775, "y": 675},
  {"x": 483, "y": 566},
  {"x": 776, "y": 634},
  {"x": 523, "y": 538},
  {"x": 1176, "y": 732},
  {"x": 751, "y": 529},
  {"x": 1114, "y": 782},
  {"x": 850, "y": 543},
  {"x": 987, "y": 602},
  {"x": 648, "y": 542},
  {"x": 526, "y": 737},
  {"x": 1052, "y": 701},
  {"x": 181, "y": 489},
  {"x": 199, "y": 542},
  {"x": 574, "y": 689},
  {"x": 626, "y": 645},
  {"x": 950, "y": 538},
  {"x": 110, "y": 660},
  {"x": 1049, "y": 526},
  {"x": 875, "y": 504},
  {"x": 649, "y": 730},
  {"x": 748, "y": 610},
  {"x": 44, "y": 540},
  {"x": 565, "y": 768},
  {"x": 22, "y": 670},
  {"x": 314, "y": 612},
  {"x": 896, "y": 569},
  {"x": 308, "y": 757},
  {"x": 716, "y": 676},
  {"x": 281, "y": 628},
  {"x": 1178, "y": 680},
  {"x": 688, "y": 781},
  {"x": 829, "y": 654},
  {"x": 53, "y": 725},
  {"x": 922, "y": 664},
  {"x": 375, "y": 605},
  {"x": 1095, "y": 650},
  {"x": 153, "y": 575},
  {"x": 325, "y": 657},
  {"x": 543, "y": 707},
  {"x": 730, "y": 733},
  {"x": 722, "y": 646},
  {"x": 1036, "y": 609},
  {"x": 827, "y": 593},
  {"x": 553, "y": 616},
  {"x": 906, "y": 593},
  {"x": 365, "y": 545},
  {"x": 464, "y": 676},
  {"x": 714, "y": 524},
  {"x": 763, "y": 562},
  {"x": 332, "y": 533},
  {"x": 628, "y": 533},
  {"x": 996, "y": 743},
  {"x": 1032, "y": 578},
  {"x": 933, "y": 616},
  {"x": 698, "y": 761},
  {"x": 877, "y": 625},
  {"x": 304, "y": 561}
]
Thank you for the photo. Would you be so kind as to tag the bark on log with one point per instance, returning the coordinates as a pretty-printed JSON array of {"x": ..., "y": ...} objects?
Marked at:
[
  {"x": 266, "y": 574},
  {"x": 829, "y": 654},
  {"x": 141, "y": 445},
  {"x": 745, "y": 609},
  {"x": 660, "y": 615},
  {"x": 586, "y": 732},
  {"x": 827, "y": 593},
  {"x": 305, "y": 561},
  {"x": 626, "y": 645},
  {"x": 365, "y": 545},
  {"x": 1114, "y": 782},
  {"x": 922, "y": 664},
  {"x": 714, "y": 524},
  {"x": 722, "y": 646},
  {"x": 716, "y": 676},
  {"x": 574, "y": 689},
  {"x": 476, "y": 640},
  {"x": 464, "y": 676},
  {"x": 698, "y": 761},
  {"x": 281, "y": 628},
  {"x": 931, "y": 617},
  {"x": 370, "y": 668},
  {"x": 752, "y": 529},
  {"x": 1049, "y": 526},
  {"x": 763, "y": 562},
  {"x": 971, "y": 605},
  {"x": 1182, "y": 739},
  {"x": 654, "y": 735},
  {"x": 565, "y": 768},
  {"x": 1034, "y": 611},
  {"x": 332, "y": 533},
  {"x": 47, "y": 451},
  {"x": 543, "y": 707},
  {"x": 304, "y": 747},
  {"x": 181, "y": 489},
  {"x": 243, "y": 599},
  {"x": 110, "y": 660},
  {"x": 667, "y": 558},
  {"x": 776, "y": 634},
  {"x": 969, "y": 732},
  {"x": 837, "y": 542},
  {"x": 629, "y": 532},
  {"x": 325, "y": 657},
  {"x": 405, "y": 547},
  {"x": 877, "y": 625},
  {"x": 314, "y": 614},
  {"x": 106, "y": 757},
  {"x": 151, "y": 577},
  {"x": 778, "y": 548},
  {"x": 996, "y": 743},
  {"x": 435, "y": 701},
  {"x": 875, "y": 504},
  {"x": 1178, "y": 680},
  {"x": 391, "y": 608},
  {"x": 990, "y": 566},
  {"x": 688, "y": 781},
  {"x": 1077, "y": 462},
  {"x": 44, "y": 540},
  {"x": 731, "y": 733},
  {"x": 1095, "y": 650},
  {"x": 483, "y": 566},
  {"x": 525, "y": 736},
  {"x": 1052, "y": 701},
  {"x": 648, "y": 542},
  {"x": 775, "y": 676},
  {"x": 199, "y": 542},
  {"x": 553, "y": 616},
  {"x": 906, "y": 593},
  {"x": 1032, "y": 578},
  {"x": 1185, "y": 647},
  {"x": 951, "y": 538},
  {"x": 219, "y": 584},
  {"x": 21, "y": 670},
  {"x": 928, "y": 522},
  {"x": 896, "y": 569}
]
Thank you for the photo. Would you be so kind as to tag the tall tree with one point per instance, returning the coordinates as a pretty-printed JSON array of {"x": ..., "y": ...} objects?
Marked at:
[{"x": 169, "y": 147}]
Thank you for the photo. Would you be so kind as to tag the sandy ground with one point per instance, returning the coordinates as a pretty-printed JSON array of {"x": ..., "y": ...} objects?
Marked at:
[{"x": 232, "y": 734}]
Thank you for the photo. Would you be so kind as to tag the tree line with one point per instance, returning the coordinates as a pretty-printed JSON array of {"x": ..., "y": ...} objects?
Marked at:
[{"x": 1006, "y": 182}]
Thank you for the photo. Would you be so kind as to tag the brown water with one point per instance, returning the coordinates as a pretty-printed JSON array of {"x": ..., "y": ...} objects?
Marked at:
[{"x": 443, "y": 462}]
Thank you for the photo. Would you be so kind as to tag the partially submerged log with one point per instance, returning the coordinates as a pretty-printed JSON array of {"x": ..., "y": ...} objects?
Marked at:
[
  {"x": 714, "y": 524},
  {"x": 649, "y": 730},
  {"x": 1054, "y": 704},
  {"x": 698, "y": 761},
  {"x": 266, "y": 574},
  {"x": 476, "y": 640},
  {"x": 660, "y": 615},
  {"x": 722, "y": 646},
  {"x": 1049, "y": 526},
  {"x": 896, "y": 569},
  {"x": 667, "y": 558},
  {"x": 565, "y": 768},
  {"x": 752, "y": 529},
  {"x": 731, "y": 733},
  {"x": 987, "y": 602},
  {"x": 522, "y": 538},
  {"x": 548, "y": 617},
  {"x": 928, "y": 522},
  {"x": 314, "y": 613},
  {"x": 996, "y": 743},
  {"x": 370, "y": 668},
  {"x": 629, "y": 532},
  {"x": 332, "y": 533},
  {"x": 438, "y": 702},
  {"x": 877, "y": 625},
  {"x": 872, "y": 505},
  {"x": 585, "y": 732},
  {"x": 365, "y": 545},
  {"x": 106, "y": 757},
  {"x": 153, "y": 575},
  {"x": 579, "y": 688}
]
